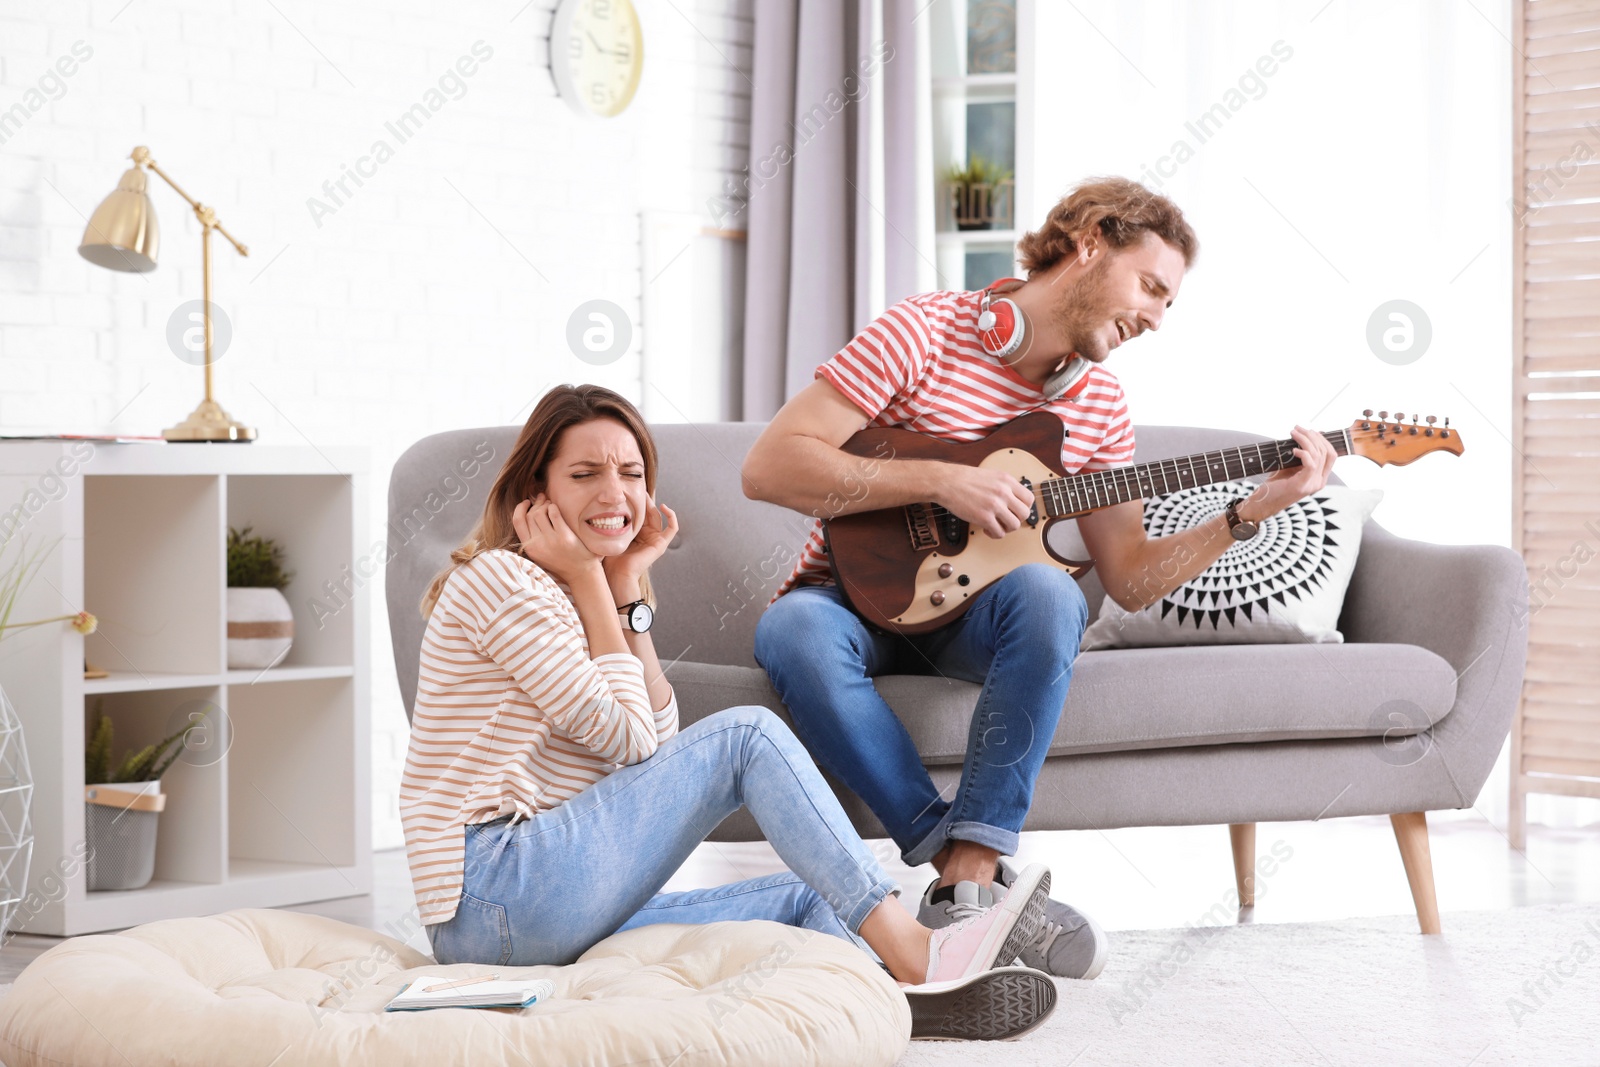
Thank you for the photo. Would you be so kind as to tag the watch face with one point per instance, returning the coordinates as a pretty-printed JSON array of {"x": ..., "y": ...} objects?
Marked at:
[
  {"x": 640, "y": 618},
  {"x": 597, "y": 55}
]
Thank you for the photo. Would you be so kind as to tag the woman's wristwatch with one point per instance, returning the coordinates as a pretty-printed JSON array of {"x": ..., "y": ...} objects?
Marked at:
[
  {"x": 1241, "y": 529},
  {"x": 637, "y": 616}
]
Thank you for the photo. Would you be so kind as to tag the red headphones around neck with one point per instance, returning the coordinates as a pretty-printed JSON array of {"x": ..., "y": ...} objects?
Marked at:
[{"x": 1001, "y": 330}]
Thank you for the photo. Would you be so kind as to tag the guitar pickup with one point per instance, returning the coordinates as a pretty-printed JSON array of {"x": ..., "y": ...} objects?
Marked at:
[
  {"x": 955, "y": 531},
  {"x": 1033, "y": 512}
]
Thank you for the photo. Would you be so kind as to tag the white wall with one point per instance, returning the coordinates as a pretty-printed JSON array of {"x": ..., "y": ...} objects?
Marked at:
[
  {"x": 1371, "y": 164},
  {"x": 436, "y": 296}
]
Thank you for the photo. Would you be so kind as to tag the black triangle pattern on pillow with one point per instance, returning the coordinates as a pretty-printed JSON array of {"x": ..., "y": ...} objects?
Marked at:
[
  {"x": 1285, "y": 584},
  {"x": 1288, "y": 557}
]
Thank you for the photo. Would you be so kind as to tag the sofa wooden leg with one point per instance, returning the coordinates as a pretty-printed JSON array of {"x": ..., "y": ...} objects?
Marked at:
[
  {"x": 1243, "y": 835},
  {"x": 1411, "y": 831}
]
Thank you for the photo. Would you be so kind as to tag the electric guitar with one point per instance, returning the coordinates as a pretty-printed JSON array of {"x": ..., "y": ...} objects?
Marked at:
[{"x": 917, "y": 567}]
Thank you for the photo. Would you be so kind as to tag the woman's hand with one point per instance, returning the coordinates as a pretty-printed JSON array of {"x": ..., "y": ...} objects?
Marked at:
[
  {"x": 547, "y": 539},
  {"x": 656, "y": 532}
]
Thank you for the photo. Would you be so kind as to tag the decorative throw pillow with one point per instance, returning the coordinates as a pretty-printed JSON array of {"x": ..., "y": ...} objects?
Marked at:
[{"x": 1285, "y": 585}]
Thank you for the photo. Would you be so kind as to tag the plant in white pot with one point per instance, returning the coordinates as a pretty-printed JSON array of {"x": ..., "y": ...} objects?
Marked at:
[
  {"x": 260, "y": 621},
  {"x": 980, "y": 194},
  {"x": 121, "y": 803}
]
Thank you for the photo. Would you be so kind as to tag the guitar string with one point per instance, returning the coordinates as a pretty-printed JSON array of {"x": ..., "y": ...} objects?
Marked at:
[
  {"x": 1104, "y": 484},
  {"x": 1101, "y": 488}
]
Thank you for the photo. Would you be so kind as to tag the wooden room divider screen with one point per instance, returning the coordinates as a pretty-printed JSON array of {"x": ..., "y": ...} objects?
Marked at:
[{"x": 1555, "y": 742}]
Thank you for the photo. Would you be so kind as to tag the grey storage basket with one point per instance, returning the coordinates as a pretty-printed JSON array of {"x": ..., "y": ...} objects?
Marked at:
[{"x": 121, "y": 831}]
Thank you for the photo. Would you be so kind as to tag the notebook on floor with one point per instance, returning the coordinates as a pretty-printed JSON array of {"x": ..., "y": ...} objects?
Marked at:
[{"x": 441, "y": 991}]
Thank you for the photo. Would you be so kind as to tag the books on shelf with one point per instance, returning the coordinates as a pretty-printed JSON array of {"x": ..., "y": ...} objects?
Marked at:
[{"x": 440, "y": 991}]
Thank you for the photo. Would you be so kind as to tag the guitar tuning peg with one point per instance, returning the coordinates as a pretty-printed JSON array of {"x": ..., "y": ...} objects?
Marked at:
[
  {"x": 1399, "y": 416},
  {"x": 1446, "y": 431},
  {"x": 1366, "y": 413},
  {"x": 1429, "y": 431},
  {"x": 1431, "y": 420},
  {"x": 1383, "y": 414}
]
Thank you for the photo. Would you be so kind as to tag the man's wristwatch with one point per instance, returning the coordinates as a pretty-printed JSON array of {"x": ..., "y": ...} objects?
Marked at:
[
  {"x": 1241, "y": 529},
  {"x": 637, "y": 616}
]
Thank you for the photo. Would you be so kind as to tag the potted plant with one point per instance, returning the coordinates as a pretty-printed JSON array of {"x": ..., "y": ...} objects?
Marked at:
[
  {"x": 121, "y": 804},
  {"x": 260, "y": 622},
  {"x": 980, "y": 194}
]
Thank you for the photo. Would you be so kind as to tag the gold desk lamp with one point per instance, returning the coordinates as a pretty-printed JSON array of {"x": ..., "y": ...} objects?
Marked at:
[{"x": 122, "y": 235}]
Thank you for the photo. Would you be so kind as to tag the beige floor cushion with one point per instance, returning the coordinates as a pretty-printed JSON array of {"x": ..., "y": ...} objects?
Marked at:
[{"x": 261, "y": 987}]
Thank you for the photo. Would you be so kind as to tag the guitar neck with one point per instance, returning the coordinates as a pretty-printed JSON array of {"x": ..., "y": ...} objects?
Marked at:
[{"x": 1092, "y": 490}]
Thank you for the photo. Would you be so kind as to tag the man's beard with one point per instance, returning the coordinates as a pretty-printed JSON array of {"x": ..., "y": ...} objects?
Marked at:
[{"x": 1081, "y": 313}]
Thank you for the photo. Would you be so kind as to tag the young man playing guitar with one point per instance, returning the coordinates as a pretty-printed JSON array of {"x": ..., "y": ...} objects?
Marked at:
[{"x": 1104, "y": 268}]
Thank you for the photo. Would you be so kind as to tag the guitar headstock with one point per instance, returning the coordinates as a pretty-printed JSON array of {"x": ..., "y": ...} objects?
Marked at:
[{"x": 1385, "y": 440}]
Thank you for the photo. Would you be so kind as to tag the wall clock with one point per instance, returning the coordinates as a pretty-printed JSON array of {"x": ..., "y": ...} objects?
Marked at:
[{"x": 596, "y": 55}]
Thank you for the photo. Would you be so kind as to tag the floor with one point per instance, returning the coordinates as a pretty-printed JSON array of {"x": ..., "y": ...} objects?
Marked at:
[{"x": 1154, "y": 877}]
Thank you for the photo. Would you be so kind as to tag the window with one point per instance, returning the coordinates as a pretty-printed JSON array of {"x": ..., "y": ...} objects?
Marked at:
[{"x": 975, "y": 116}]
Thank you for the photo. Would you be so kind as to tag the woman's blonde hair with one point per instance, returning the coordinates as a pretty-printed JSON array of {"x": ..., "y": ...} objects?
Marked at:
[{"x": 526, "y": 471}]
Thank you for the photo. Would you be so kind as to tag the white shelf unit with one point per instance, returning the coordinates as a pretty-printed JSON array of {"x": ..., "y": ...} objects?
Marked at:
[{"x": 276, "y": 808}]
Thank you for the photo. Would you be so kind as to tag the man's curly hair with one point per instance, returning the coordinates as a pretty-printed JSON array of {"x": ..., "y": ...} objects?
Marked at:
[{"x": 1121, "y": 209}]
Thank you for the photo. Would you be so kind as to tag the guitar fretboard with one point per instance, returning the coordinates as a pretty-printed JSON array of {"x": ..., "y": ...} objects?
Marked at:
[{"x": 1087, "y": 491}]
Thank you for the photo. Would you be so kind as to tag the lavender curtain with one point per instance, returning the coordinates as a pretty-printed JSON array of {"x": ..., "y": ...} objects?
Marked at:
[{"x": 840, "y": 200}]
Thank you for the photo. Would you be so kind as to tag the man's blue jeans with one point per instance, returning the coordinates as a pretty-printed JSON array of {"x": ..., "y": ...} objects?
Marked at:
[
  {"x": 546, "y": 889},
  {"x": 1019, "y": 639}
]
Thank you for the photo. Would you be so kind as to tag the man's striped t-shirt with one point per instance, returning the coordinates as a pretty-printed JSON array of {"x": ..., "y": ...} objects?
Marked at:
[{"x": 920, "y": 366}]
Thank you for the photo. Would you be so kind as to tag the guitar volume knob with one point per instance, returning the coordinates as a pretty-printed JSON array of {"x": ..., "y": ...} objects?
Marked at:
[
  {"x": 937, "y": 597},
  {"x": 945, "y": 570}
]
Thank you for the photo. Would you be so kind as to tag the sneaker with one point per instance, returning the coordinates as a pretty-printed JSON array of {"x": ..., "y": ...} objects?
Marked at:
[
  {"x": 991, "y": 937},
  {"x": 965, "y": 996},
  {"x": 947, "y": 905},
  {"x": 995, "y": 1005},
  {"x": 1069, "y": 944}
]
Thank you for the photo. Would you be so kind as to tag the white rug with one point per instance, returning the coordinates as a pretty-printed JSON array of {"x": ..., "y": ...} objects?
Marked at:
[{"x": 1508, "y": 987}]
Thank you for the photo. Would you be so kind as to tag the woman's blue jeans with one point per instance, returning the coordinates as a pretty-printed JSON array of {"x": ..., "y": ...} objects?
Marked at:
[
  {"x": 1019, "y": 639},
  {"x": 546, "y": 889}
]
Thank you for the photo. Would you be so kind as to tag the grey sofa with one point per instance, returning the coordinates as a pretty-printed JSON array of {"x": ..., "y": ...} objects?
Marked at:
[{"x": 1407, "y": 716}]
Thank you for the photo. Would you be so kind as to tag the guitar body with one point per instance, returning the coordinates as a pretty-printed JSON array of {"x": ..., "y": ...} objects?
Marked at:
[{"x": 911, "y": 569}]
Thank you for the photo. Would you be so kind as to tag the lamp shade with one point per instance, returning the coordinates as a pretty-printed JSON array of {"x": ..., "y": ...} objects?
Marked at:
[{"x": 122, "y": 233}]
